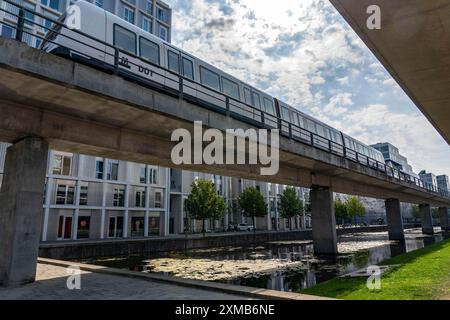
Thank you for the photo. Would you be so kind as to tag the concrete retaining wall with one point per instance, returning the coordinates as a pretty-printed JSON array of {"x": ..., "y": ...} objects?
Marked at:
[{"x": 108, "y": 248}]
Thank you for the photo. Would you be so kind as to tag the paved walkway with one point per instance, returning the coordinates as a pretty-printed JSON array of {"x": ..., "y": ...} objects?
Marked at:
[{"x": 51, "y": 284}]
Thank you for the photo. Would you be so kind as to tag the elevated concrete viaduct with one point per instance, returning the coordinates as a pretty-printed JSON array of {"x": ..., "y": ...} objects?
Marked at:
[{"x": 75, "y": 108}]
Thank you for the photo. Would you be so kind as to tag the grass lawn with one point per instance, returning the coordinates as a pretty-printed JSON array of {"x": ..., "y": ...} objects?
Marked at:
[{"x": 422, "y": 275}]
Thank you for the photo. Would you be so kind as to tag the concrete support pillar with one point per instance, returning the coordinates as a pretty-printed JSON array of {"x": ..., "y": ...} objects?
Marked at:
[
  {"x": 394, "y": 219},
  {"x": 427, "y": 221},
  {"x": 443, "y": 216},
  {"x": 323, "y": 221},
  {"x": 21, "y": 210}
]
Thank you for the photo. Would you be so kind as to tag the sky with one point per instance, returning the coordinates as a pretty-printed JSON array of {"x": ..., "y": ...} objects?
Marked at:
[{"x": 304, "y": 53}]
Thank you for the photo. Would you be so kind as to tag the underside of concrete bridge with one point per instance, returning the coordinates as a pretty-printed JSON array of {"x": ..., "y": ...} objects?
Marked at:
[
  {"x": 413, "y": 45},
  {"x": 51, "y": 102}
]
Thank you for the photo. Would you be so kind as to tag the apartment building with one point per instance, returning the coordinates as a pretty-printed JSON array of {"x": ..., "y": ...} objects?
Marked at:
[
  {"x": 154, "y": 16},
  {"x": 94, "y": 198}
]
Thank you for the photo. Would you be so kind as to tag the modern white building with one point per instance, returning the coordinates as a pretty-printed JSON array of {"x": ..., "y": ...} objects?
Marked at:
[
  {"x": 96, "y": 198},
  {"x": 154, "y": 16}
]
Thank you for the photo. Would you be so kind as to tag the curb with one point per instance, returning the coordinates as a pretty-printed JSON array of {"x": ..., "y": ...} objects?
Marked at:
[{"x": 256, "y": 293}]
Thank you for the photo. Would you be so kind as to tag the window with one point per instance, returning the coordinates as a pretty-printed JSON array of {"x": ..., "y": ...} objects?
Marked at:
[
  {"x": 268, "y": 106},
  {"x": 294, "y": 118},
  {"x": 128, "y": 14},
  {"x": 173, "y": 59},
  {"x": 28, "y": 15},
  {"x": 153, "y": 176},
  {"x": 8, "y": 32},
  {"x": 188, "y": 69},
  {"x": 140, "y": 199},
  {"x": 115, "y": 227},
  {"x": 143, "y": 174},
  {"x": 161, "y": 14},
  {"x": 99, "y": 169},
  {"x": 285, "y": 114},
  {"x": 137, "y": 226},
  {"x": 209, "y": 78},
  {"x": 61, "y": 165},
  {"x": 99, "y": 3},
  {"x": 38, "y": 43},
  {"x": 149, "y": 7},
  {"x": 230, "y": 88},
  {"x": 113, "y": 170},
  {"x": 54, "y": 4},
  {"x": 147, "y": 24},
  {"x": 248, "y": 96},
  {"x": 119, "y": 197},
  {"x": 149, "y": 50},
  {"x": 65, "y": 194},
  {"x": 256, "y": 101},
  {"x": 84, "y": 224},
  {"x": 163, "y": 33},
  {"x": 48, "y": 23},
  {"x": 65, "y": 227},
  {"x": 158, "y": 199},
  {"x": 83, "y": 195},
  {"x": 124, "y": 39}
]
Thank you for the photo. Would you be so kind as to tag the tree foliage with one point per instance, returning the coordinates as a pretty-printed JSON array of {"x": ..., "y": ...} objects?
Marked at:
[
  {"x": 349, "y": 209},
  {"x": 290, "y": 204},
  {"x": 252, "y": 203},
  {"x": 340, "y": 210},
  {"x": 204, "y": 203}
]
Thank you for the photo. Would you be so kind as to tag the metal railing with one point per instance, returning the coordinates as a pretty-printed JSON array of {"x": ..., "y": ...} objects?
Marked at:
[{"x": 188, "y": 89}]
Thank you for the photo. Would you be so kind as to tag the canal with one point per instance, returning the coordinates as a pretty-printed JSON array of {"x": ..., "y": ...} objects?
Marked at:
[{"x": 280, "y": 265}]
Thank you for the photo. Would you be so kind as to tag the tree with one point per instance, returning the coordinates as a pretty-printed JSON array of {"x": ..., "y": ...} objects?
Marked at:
[
  {"x": 252, "y": 204},
  {"x": 290, "y": 205},
  {"x": 415, "y": 211},
  {"x": 340, "y": 210},
  {"x": 355, "y": 208},
  {"x": 204, "y": 203}
]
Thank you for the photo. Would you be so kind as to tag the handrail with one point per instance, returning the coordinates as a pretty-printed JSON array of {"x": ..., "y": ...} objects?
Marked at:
[{"x": 314, "y": 139}]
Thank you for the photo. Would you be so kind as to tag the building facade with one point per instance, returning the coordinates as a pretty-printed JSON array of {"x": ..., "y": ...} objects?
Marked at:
[
  {"x": 94, "y": 198},
  {"x": 393, "y": 158},
  {"x": 428, "y": 178},
  {"x": 154, "y": 16},
  {"x": 443, "y": 183}
]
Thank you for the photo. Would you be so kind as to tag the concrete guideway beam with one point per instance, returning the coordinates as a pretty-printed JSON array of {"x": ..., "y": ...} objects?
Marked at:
[{"x": 21, "y": 210}]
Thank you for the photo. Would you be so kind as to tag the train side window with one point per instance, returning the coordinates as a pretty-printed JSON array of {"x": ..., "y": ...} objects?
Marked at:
[
  {"x": 256, "y": 101},
  {"x": 285, "y": 114},
  {"x": 310, "y": 126},
  {"x": 248, "y": 96},
  {"x": 188, "y": 69},
  {"x": 124, "y": 39},
  {"x": 149, "y": 50},
  {"x": 173, "y": 60},
  {"x": 209, "y": 78},
  {"x": 230, "y": 88},
  {"x": 268, "y": 105},
  {"x": 301, "y": 121},
  {"x": 294, "y": 118}
]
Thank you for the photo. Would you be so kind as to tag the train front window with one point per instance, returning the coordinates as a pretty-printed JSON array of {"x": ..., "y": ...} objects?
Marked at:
[
  {"x": 124, "y": 39},
  {"x": 209, "y": 78},
  {"x": 188, "y": 69},
  {"x": 149, "y": 50},
  {"x": 230, "y": 88},
  {"x": 173, "y": 60},
  {"x": 248, "y": 96},
  {"x": 268, "y": 105}
]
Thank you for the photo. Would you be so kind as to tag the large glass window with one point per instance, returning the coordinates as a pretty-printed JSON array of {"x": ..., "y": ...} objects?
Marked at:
[
  {"x": 124, "y": 39},
  {"x": 119, "y": 197},
  {"x": 140, "y": 199},
  {"x": 163, "y": 33},
  {"x": 230, "y": 88},
  {"x": 153, "y": 225},
  {"x": 158, "y": 199},
  {"x": 28, "y": 15},
  {"x": 285, "y": 114},
  {"x": 209, "y": 78},
  {"x": 173, "y": 59},
  {"x": 83, "y": 195},
  {"x": 294, "y": 118},
  {"x": 8, "y": 32},
  {"x": 84, "y": 224},
  {"x": 65, "y": 227},
  {"x": 149, "y": 7},
  {"x": 115, "y": 227},
  {"x": 143, "y": 174},
  {"x": 268, "y": 106},
  {"x": 149, "y": 50},
  {"x": 61, "y": 165},
  {"x": 256, "y": 101},
  {"x": 113, "y": 170},
  {"x": 54, "y": 4},
  {"x": 147, "y": 24},
  {"x": 188, "y": 69},
  {"x": 137, "y": 226},
  {"x": 248, "y": 96},
  {"x": 128, "y": 14},
  {"x": 153, "y": 173},
  {"x": 161, "y": 14},
  {"x": 65, "y": 194},
  {"x": 99, "y": 169}
]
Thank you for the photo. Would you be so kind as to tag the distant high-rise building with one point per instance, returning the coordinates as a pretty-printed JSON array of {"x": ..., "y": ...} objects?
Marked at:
[
  {"x": 154, "y": 16},
  {"x": 443, "y": 183},
  {"x": 393, "y": 158},
  {"x": 428, "y": 178}
]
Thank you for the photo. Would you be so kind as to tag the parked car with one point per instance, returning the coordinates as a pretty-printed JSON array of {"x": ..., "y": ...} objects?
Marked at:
[{"x": 245, "y": 227}]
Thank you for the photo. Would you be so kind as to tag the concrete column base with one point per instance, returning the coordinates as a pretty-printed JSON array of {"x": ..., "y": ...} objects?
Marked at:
[
  {"x": 443, "y": 216},
  {"x": 394, "y": 219},
  {"x": 427, "y": 221},
  {"x": 21, "y": 210},
  {"x": 323, "y": 221}
]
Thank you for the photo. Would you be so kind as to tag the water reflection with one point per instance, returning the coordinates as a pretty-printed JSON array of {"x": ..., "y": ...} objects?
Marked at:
[{"x": 314, "y": 269}]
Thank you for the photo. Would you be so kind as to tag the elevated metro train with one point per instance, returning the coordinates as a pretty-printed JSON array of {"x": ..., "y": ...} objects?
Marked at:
[{"x": 108, "y": 42}]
